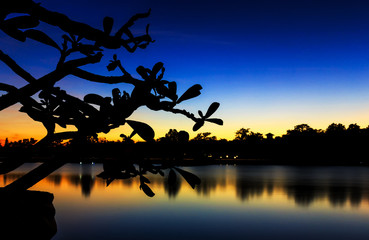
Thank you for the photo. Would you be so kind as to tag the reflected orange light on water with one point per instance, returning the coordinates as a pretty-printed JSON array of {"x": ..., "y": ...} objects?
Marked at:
[{"x": 88, "y": 190}]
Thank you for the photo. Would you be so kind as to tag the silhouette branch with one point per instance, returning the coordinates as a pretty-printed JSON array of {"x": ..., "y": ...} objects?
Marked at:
[
  {"x": 46, "y": 81},
  {"x": 80, "y": 29},
  {"x": 58, "y": 137},
  {"x": 94, "y": 114},
  {"x": 104, "y": 79},
  {"x": 72, "y": 64},
  {"x": 16, "y": 68},
  {"x": 7, "y": 88},
  {"x": 183, "y": 112}
]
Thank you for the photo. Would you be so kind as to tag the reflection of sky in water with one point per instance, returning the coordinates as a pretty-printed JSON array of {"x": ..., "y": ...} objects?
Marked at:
[{"x": 232, "y": 202}]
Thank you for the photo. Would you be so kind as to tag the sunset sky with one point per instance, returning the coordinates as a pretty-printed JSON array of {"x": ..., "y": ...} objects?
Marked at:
[{"x": 271, "y": 64}]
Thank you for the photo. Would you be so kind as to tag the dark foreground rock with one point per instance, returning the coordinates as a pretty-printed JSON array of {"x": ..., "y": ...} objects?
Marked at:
[{"x": 27, "y": 215}]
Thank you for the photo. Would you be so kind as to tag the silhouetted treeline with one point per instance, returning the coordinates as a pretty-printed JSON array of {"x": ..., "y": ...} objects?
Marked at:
[{"x": 300, "y": 145}]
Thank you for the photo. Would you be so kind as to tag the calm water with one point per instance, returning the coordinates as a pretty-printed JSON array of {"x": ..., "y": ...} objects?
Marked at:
[{"x": 233, "y": 202}]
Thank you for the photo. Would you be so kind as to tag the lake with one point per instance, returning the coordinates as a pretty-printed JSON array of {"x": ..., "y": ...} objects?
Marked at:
[{"x": 232, "y": 202}]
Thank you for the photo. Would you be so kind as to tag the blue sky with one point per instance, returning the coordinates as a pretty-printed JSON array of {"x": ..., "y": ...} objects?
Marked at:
[{"x": 271, "y": 64}]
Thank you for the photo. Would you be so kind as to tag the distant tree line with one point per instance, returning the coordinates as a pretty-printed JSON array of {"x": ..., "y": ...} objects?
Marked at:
[
  {"x": 302, "y": 144},
  {"x": 300, "y": 132},
  {"x": 27, "y": 142}
]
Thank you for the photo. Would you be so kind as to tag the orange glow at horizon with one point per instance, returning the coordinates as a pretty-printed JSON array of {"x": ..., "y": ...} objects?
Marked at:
[{"x": 15, "y": 125}]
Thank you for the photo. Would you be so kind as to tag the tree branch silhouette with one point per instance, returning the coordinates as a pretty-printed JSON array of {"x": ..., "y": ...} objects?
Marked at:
[
  {"x": 46, "y": 81},
  {"x": 56, "y": 107},
  {"x": 16, "y": 68},
  {"x": 102, "y": 38},
  {"x": 104, "y": 79}
]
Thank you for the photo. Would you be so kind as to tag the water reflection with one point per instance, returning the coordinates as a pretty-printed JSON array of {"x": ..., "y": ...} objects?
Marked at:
[
  {"x": 304, "y": 185},
  {"x": 172, "y": 189}
]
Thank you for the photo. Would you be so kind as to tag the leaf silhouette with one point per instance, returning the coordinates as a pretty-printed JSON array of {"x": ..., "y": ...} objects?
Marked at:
[
  {"x": 192, "y": 92},
  {"x": 198, "y": 125},
  {"x": 161, "y": 75},
  {"x": 143, "y": 45},
  {"x": 191, "y": 178},
  {"x": 162, "y": 90},
  {"x": 172, "y": 86},
  {"x": 147, "y": 190},
  {"x": 215, "y": 120},
  {"x": 157, "y": 67},
  {"x": 108, "y": 25},
  {"x": 94, "y": 99},
  {"x": 143, "y": 72},
  {"x": 201, "y": 114},
  {"x": 22, "y": 22},
  {"x": 212, "y": 108},
  {"x": 142, "y": 129},
  {"x": 41, "y": 37},
  {"x": 144, "y": 179},
  {"x": 112, "y": 66}
]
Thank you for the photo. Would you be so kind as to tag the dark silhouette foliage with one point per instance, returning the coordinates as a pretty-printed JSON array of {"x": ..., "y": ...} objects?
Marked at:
[
  {"x": 42, "y": 101},
  {"x": 83, "y": 45},
  {"x": 173, "y": 136},
  {"x": 57, "y": 107},
  {"x": 127, "y": 170}
]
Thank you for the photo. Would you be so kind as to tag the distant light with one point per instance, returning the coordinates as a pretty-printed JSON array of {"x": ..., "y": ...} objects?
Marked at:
[{"x": 80, "y": 163}]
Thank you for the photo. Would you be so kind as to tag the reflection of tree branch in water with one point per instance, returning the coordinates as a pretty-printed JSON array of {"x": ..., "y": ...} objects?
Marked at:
[
  {"x": 303, "y": 193},
  {"x": 33, "y": 211},
  {"x": 34, "y": 176},
  {"x": 112, "y": 171},
  {"x": 125, "y": 170}
]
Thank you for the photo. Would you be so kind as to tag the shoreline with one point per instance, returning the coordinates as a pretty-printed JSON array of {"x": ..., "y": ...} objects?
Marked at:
[{"x": 194, "y": 162}]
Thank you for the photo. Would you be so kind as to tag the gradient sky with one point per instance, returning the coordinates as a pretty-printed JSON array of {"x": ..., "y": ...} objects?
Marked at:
[{"x": 272, "y": 64}]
